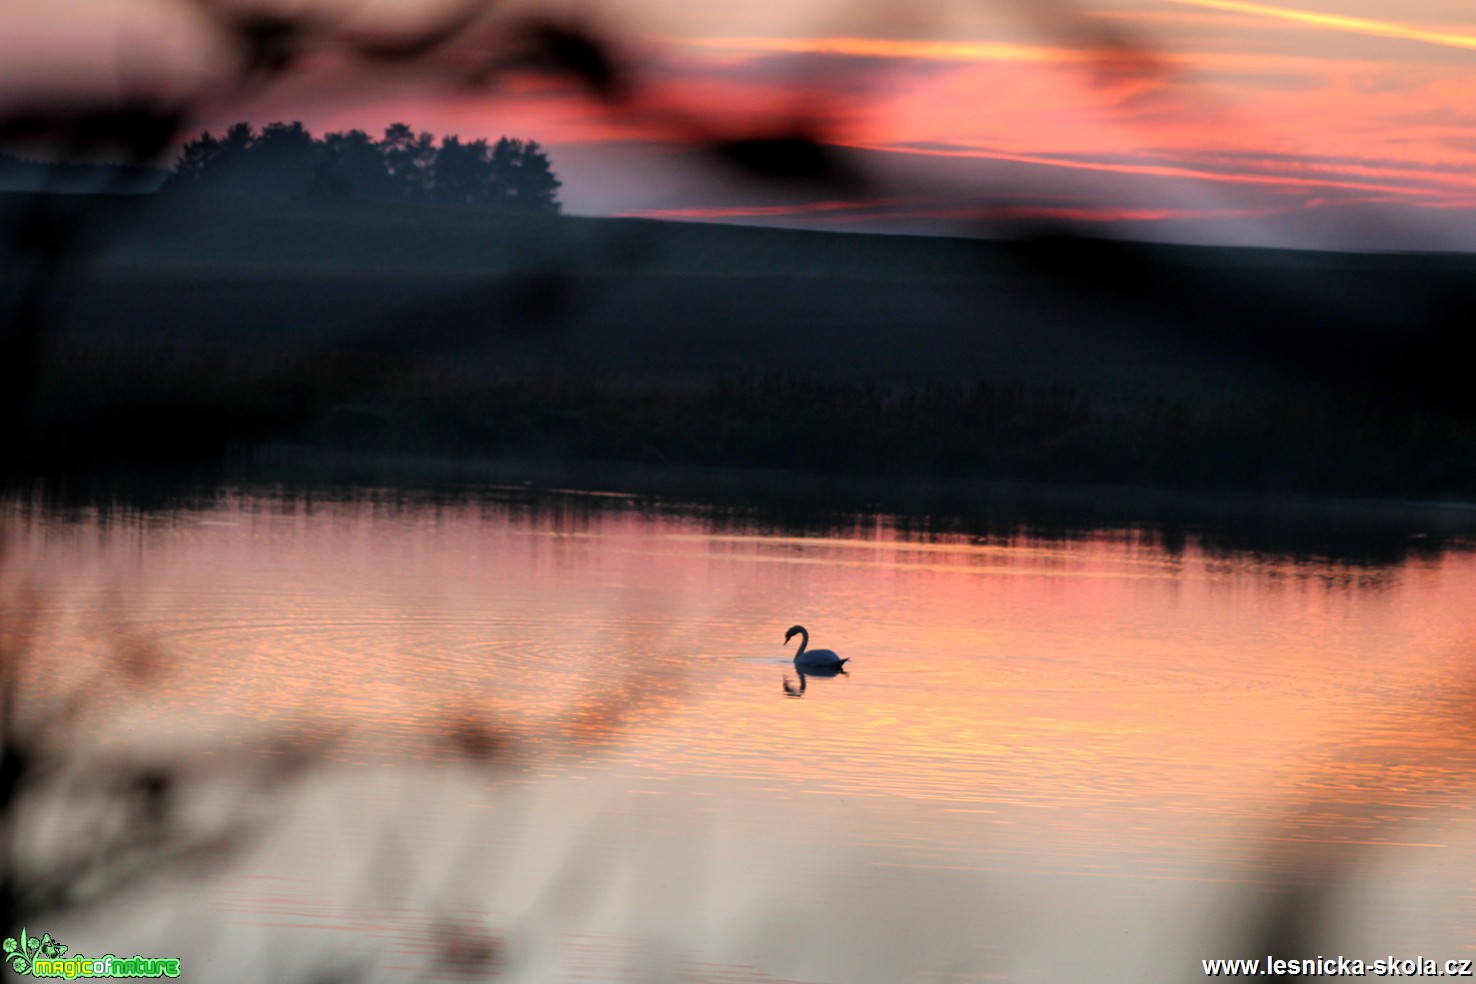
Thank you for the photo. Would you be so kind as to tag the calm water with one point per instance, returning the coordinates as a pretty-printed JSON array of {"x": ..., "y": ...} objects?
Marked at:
[{"x": 557, "y": 743}]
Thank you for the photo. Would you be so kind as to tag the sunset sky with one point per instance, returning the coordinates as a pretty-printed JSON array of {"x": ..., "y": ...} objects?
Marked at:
[{"x": 1320, "y": 122}]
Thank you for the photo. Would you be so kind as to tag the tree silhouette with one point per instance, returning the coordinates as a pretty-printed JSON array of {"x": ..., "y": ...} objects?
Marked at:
[
  {"x": 408, "y": 159},
  {"x": 460, "y": 174},
  {"x": 285, "y": 161},
  {"x": 526, "y": 181}
]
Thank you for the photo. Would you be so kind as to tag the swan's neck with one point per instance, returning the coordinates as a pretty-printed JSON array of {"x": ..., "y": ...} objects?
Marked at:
[{"x": 804, "y": 641}]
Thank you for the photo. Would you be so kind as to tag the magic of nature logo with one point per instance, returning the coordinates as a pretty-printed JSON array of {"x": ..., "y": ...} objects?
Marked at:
[{"x": 46, "y": 957}]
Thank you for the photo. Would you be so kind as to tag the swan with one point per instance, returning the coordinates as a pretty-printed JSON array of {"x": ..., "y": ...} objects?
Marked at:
[{"x": 814, "y": 661}]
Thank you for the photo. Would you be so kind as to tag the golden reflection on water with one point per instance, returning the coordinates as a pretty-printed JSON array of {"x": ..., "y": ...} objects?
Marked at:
[{"x": 1098, "y": 707}]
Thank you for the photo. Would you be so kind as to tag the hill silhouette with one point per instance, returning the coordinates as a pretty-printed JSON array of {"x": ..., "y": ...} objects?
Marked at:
[{"x": 433, "y": 330}]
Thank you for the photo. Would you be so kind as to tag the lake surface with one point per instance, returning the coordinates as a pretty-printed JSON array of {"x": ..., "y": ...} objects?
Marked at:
[{"x": 553, "y": 741}]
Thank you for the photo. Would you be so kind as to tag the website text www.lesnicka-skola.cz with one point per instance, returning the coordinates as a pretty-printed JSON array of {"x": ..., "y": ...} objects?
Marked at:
[{"x": 1389, "y": 966}]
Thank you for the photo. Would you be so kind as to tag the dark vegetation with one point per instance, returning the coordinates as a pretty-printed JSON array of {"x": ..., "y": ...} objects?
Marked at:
[
  {"x": 284, "y": 161},
  {"x": 416, "y": 330},
  {"x": 22, "y": 174}
]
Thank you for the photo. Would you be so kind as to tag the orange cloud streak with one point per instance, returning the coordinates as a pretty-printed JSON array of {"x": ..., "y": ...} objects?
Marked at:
[
  {"x": 1338, "y": 22},
  {"x": 884, "y": 48}
]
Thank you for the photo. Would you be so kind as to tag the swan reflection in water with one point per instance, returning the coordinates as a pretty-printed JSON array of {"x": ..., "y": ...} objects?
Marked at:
[
  {"x": 811, "y": 662},
  {"x": 790, "y": 690}
]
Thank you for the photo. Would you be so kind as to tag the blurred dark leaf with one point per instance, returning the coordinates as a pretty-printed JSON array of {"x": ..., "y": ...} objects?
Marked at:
[
  {"x": 466, "y": 950},
  {"x": 141, "y": 128},
  {"x": 1116, "y": 55},
  {"x": 1105, "y": 265},
  {"x": 408, "y": 47},
  {"x": 786, "y": 156},
  {"x": 569, "y": 49},
  {"x": 469, "y": 735}
]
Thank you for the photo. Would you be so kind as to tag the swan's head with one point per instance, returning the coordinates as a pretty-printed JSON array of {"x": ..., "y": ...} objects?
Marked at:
[{"x": 794, "y": 631}]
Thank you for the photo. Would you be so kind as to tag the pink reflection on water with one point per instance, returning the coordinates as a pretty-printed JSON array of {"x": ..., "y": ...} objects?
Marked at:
[{"x": 1096, "y": 709}]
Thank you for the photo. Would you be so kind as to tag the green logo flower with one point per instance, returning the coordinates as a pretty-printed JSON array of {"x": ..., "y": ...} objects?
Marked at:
[{"x": 22, "y": 954}]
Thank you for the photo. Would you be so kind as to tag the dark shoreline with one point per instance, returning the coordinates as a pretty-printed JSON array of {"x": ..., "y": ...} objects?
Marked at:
[
  {"x": 1053, "y": 384},
  {"x": 1358, "y": 532}
]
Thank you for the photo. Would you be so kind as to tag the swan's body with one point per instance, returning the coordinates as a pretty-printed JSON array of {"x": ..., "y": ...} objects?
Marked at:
[{"x": 819, "y": 662}]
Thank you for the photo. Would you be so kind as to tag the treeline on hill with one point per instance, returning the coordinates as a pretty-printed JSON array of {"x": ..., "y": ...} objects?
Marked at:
[{"x": 284, "y": 160}]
